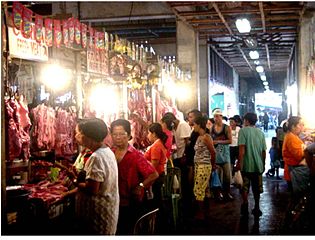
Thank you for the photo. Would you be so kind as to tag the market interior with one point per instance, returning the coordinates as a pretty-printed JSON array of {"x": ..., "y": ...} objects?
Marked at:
[{"x": 64, "y": 61}]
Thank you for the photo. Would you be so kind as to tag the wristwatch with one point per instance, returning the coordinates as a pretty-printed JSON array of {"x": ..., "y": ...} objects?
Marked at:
[{"x": 141, "y": 185}]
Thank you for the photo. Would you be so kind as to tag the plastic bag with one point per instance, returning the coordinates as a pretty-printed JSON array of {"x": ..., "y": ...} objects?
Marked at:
[
  {"x": 237, "y": 179},
  {"x": 215, "y": 181},
  {"x": 175, "y": 183}
]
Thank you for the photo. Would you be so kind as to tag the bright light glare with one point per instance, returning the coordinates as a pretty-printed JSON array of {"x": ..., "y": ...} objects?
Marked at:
[
  {"x": 243, "y": 25},
  {"x": 55, "y": 77},
  {"x": 182, "y": 92},
  {"x": 253, "y": 54},
  {"x": 169, "y": 88},
  {"x": 259, "y": 69},
  {"x": 104, "y": 99},
  {"x": 257, "y": 62},
  {"x": 307, "y": 115},
  {"x": 265, "y": 83},
  {"x": 263, "y": 78}
]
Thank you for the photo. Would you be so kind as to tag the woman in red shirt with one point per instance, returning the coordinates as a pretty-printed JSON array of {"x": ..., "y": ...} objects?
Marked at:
[{"x": 156, "y": 154}]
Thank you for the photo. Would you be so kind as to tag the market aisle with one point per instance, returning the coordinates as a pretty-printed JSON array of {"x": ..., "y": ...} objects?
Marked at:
[{"x": 224, "y": 218}]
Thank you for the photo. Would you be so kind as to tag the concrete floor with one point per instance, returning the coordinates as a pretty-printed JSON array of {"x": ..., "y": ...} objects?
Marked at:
[{"x": 224, "y": 218}]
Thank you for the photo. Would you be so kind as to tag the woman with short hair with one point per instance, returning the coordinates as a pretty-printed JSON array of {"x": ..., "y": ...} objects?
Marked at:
[{"x": 97, "y": 200}]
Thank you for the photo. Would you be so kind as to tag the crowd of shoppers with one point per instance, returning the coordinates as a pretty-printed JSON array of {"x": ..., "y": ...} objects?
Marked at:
[{"x": 116, "y": 185}]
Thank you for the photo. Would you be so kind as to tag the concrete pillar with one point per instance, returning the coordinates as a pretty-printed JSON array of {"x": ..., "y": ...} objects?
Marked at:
[
  {"x": 203, "y": 77},
  {"x": 236, "y": 90},
  {"x": 306, "y": 89},
  {"x": 188, "y": 60}
]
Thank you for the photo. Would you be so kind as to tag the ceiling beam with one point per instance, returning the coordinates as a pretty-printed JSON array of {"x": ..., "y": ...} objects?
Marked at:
[
  {"x": 267, "y": 19},
  {"x": 222, "y": 33},
  {"x": 261, "y": 8},
  {"x": 185, "y": 4},
  {"x": 238, "y": 11},
  {"x": 222, "y": 18},
  {"x": 230, "y": 31},
  {"x": 128, "y": 18}
]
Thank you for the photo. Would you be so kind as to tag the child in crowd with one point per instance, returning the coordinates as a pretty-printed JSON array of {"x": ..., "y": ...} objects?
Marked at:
[{"x": 274, "y": 160}]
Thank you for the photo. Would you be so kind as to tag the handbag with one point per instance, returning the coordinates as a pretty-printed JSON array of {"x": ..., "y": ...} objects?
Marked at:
[
  {"x": 237, "y": 179},
  {"x": 215, "y": 181},
  {"x": 222, "y": 156},
  {"x": 300, "y": 178}
]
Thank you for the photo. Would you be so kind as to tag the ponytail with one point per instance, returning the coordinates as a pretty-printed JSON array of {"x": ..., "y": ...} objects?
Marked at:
[{"x": 157, "y": 129}]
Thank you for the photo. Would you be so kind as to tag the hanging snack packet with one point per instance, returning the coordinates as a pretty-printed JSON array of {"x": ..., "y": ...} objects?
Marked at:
[
  {"x": 17, "y": 11},
  {"x": 65, "y": 32},
  {"x": 48, "y": 31},
  {"x": 71, "y": 30},
  {"x": 26, "y": 23},
  {"x": 77, "y": 31},
  {"x": 38, "y": 28},
  {"x": 84, "y": 35},
  {"x": 57, "y": 33}
]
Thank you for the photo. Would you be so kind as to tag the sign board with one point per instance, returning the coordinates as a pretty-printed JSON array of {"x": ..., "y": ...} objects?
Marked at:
[
  {"x": 97, "y": 61},
  {"x": 25, "y": 48}
]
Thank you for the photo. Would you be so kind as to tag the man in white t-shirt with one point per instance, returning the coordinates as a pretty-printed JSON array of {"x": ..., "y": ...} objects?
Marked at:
[{"x": 181, "y": 133}]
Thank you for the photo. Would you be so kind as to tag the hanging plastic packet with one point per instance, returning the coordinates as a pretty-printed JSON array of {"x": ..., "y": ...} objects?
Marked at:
[
  {"x": 57, "y": 33},
  {"x": 26, "y": 22},
  {"x": 65, "y": 32},
  {"x": 71, "y": 30},
  {"x": 17, "y": 11},
  {"x": 39, "y": 28},
  {"x": 48, "y": 32},
  {"x": 77, "y": 30},
  {"x": 84, "y": 35}
]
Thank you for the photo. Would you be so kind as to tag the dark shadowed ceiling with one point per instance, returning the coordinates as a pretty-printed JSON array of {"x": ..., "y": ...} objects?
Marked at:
[{"x": 274, "y": 31}]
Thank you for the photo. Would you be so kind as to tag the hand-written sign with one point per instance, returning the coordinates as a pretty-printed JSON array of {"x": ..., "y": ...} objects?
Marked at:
[
  {"x": 97, "y": 61},
  {"x": 26, "y": 48}
]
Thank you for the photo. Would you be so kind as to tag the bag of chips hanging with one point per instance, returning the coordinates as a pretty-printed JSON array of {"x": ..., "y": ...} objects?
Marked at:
[
  {"x": 48, "y": 32},
  {"x": 38, "y": 28},
  {"x": 77, "y": 31},
  {"x": 17, "y": 11},
  {"x": 26, "y": 22},
  {"x": 71, "y": 30},
  {"x": 57, "y": 33},
  {"x": 65, "y": 32},
  {"x": 84, "y": 35}
]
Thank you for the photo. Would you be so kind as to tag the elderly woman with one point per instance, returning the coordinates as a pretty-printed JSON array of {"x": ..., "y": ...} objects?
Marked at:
[
  {"x": 136, "y": 175},
  {"x": 296, "y": 170},
  {"x": 97, "y": 200}
]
